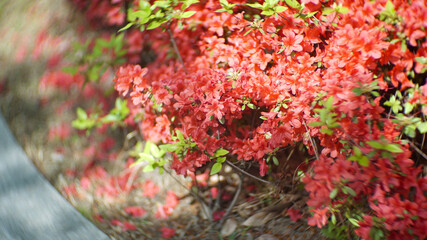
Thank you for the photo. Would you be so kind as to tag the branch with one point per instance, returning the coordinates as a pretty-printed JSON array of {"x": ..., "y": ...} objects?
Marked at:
[
  {"x": 195, "y": 195},
  {"x": 311, "y": 140},
  {"x": 233, "y": 202},
  {"x": 175, "y": 47},
  {"x": 248, "y": 174},
  {"x": 419, "y": 151}
]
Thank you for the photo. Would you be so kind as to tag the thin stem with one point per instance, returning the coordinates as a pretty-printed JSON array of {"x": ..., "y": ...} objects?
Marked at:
[
  {"x": 311, "y": 140},
  {"x": 247, "y": 174},
  {"x": 195, "y": 195},
  {"x": 418, "y": 150},
  {"x": 175, "y": 47},
  {"x": 233, "y": 202},
  {"x": 296, "y": 24}
]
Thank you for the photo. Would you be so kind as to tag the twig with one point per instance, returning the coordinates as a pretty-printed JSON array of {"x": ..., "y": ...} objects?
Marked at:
[
  {"x": 247, "y": 174},
  {"x": 175, "y": 47},
  {"x": 418, "y": 150},
  {"x": 195, "y": 195},
  {"x": 296, "y": 24},
  {"x": 233, "y": 202},
  {"x": 311, "y": 140}
]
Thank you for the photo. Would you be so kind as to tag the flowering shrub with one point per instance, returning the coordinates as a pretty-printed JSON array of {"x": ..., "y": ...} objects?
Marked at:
[{"x": 243, "y": 81}]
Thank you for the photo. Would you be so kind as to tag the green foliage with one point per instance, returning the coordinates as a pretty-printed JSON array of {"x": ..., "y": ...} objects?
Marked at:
[
  {"x": 390, "y": 147},
  {"x": 83, "y": 121},
  {"x": 269, "y": 7},
  {"x": 219, "y": 155},
  {"x": 103, "y": 55},
  {"x": 335, "y": 8},
  {"x": 148, "y": 16},
  {"x": 116, "y": 116},
  {"x": 181, "y": 145},
  {"x": 394, "y": 103},
  {"x": 272, "y": 156},
  {"x": 226, "y": 7},
  {"x": 367, "y": 88},
  {"x": 328, "y": 118},
  {"x": 359, "y": 157},
  {"x": 389, "y": 13},
  {"x": 153, "y": 156},
  {"x": 246, "y": 102}
]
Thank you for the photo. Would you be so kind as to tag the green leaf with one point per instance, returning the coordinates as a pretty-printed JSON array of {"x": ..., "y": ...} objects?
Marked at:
[
  {"x": 110, "y": 118},
  {"x": 255, "y": 5},
  {"x": 155, "y": 151},
  {"x": 422, "y": 127},
  {"x": 333, "y": 193},
  {"x": 316, "y": 124},
  {"x": 394, "y": 148},
  {"x": 354, "y": 222},
  {"x": 327, "y": 11},
  {"x": 422, "y": 60},
  {"x": 81, "y": 114},
  {"x": 268, "y": 12},
  {"x": 169, "y": 147},
  {"x": 126, "y": 27},
  {"x": 216, "y": 168},
  {"x": 188, "y": 3},
  {"x": 279, "y": 9},
  {"x": 148, "y": 168},
  {"x": 275, "y": 161},
  {"x": 220, "y": 152},
  {"x": 180, "y": 136},
  {"x": 309, "y": 15},
  {"x": 187, "y": 14},
  {"x": 146, "y": 157},
  {"x": 410, "y": 130},
  {"x": 329, "y": 102},
  {"x": 348, "y": 190},
  {"x": 357, "y": 151},
  {"x": 342, "y": 10},
  {"x": 221, "y": 159},
  {"x": 333, "y": 219},
  {"x": 363, "y": 161},
  {"x": 71, "y": 70},
  {"x": 326, "y": 131},
  {"x": 293, "y": 4},
  {"x": 375, "y": 144},
  {"x": 154, "y": 24}
]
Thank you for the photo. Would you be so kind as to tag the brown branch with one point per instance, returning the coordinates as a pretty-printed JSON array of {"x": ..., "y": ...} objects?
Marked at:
[
  {"x": 233, "y": 202},
  {"x": 419, "y": 151},
  {"x": 195, "y": 195},
  {"x": 175, "y": 47},
  {"x": 247, "y": 174},
  {"x": 311, "y": 140}
]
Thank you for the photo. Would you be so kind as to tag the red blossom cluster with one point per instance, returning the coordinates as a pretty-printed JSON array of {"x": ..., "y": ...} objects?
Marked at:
[{"x": 251, "y": 86}]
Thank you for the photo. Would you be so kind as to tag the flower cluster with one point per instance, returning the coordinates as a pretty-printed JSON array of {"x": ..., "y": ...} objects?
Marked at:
[{"x": 331, "y": 75}]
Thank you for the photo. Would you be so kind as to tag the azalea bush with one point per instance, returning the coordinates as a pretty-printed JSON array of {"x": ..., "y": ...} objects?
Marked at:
[{"x": 328, "y": 94}]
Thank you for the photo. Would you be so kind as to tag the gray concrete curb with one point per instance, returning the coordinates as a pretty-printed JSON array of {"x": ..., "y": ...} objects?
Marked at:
[{"x": 31, "y": 208}]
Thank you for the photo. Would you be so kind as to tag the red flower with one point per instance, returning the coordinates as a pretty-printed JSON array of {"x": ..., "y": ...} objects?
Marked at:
[
  {"x": 292, "y": 42},
  {"x": 135, "y": 211},
  {"x": 167, "y": 232},
  {"x": 294, "y": 214},
  {"x": 150, "y": 189},
  {"x": 319, "y": 218},
  {"x": 127, "y": 226}
]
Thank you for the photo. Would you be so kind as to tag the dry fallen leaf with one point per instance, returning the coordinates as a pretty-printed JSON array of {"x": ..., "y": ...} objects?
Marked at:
[
  {"x": 258, "y": 219},
  {"x": 229, "y": 227}
]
